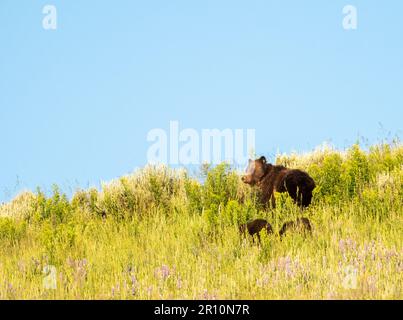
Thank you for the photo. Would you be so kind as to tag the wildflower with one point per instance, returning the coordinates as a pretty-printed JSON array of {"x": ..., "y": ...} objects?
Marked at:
[
  {"x": 164, "y": 272},
  {"x": 133, "y": 279},
  {"x": 179, "y": 283},
  {"x": 207, "y": 296},
  {"x": 263, "y": 282}
]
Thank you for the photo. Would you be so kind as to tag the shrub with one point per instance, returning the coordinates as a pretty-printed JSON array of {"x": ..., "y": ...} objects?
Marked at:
[
  {"x": 221, "y": 185},
  {"x": 57, "y": 239},
  {"x": 384, "y": 158},
  {"x": 328, "y": 177},
  {"x": 21, "y": 207},
  {"x": 356, "y": 171},
  {"x": 56, "y": 208},
  {"x": 12, "y": 230},
  {"x": 153, "y": 187},
  {"x": 86, "y": 201},
  {"x": 194, "y": 195}
]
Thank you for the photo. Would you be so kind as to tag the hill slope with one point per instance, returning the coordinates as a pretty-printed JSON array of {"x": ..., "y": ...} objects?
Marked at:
[{"x": 161, "y": 234}]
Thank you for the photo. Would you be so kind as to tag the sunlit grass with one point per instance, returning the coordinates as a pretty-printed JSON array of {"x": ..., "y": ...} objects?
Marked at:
[{"x": 167, "y": 236}]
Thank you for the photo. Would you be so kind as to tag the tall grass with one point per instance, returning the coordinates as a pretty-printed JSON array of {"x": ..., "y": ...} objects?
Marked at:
[{"x": 162, "y": 234}]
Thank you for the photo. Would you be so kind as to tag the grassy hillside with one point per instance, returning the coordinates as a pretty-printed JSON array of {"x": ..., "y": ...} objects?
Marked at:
[{"x": 161, "y": 234}]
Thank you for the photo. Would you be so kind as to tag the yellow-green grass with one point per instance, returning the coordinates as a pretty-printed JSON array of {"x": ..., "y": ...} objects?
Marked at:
[{"x": 168, "y": 236}]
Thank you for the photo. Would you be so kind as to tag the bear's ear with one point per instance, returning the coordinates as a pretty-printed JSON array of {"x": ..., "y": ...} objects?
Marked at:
[{"x": 263, "y": 159}]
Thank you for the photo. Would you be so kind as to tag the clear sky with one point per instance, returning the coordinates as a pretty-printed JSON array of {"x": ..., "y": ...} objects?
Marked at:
[{"x": 76, "y": 103}]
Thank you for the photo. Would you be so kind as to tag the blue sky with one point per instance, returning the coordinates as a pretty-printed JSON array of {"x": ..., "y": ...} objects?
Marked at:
[{"x": 76, "y": 103}]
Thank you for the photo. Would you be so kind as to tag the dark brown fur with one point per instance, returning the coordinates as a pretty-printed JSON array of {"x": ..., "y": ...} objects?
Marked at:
[
  {"x": 301, "y": 224},
  {"x": 271, "y": 178},
  {"x": 255, "y": 227}
]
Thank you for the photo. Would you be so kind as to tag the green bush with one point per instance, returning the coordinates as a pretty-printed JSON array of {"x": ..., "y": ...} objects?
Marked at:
[
  {"x": 86, "y": 201},
  {"x": 221, "y": 186},
  {"x": 12, "y": 230},
  {"x": 356, "y": 173},
  {"x": 57, "y": 239},
  {"x": 328, "y": 177},
  {"x": 142, "y": 192},
  {"x": 384, "y": 158},
  {"x": 194, "y": 195},
  {"x": 56, "y": 208}
]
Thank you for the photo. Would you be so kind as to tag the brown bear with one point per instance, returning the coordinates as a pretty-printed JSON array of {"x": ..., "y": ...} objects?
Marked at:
[
  {"x": 272, "y": 178},
  {"x": 301, "y": 224},
  {"x": 254, "y": 227}
]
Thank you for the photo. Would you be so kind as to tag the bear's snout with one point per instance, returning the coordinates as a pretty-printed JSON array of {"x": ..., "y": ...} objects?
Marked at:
[{"x": 246, "y": 179}]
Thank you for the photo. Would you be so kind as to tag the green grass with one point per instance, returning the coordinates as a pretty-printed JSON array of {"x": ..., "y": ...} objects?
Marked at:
[{"x": 167, "y": 236}]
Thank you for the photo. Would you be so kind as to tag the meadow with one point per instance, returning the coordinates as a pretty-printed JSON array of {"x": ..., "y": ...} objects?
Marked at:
[{"x": 161, "y": 233}]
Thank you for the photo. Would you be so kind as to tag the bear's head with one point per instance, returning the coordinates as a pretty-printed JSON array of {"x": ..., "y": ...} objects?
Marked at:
[{"x": 255, "y": 171}]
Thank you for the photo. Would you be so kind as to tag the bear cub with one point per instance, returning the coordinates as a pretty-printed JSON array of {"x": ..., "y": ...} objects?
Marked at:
[
  {"x": 301, "y": 224},
  {"x": 254, "y": 227}
]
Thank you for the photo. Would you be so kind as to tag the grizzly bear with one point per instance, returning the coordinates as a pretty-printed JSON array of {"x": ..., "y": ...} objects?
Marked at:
[
  {"x": 254, "y": 227},
  {"x": 272, "y": 178},
  {"x": 301, "y": 224}
]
